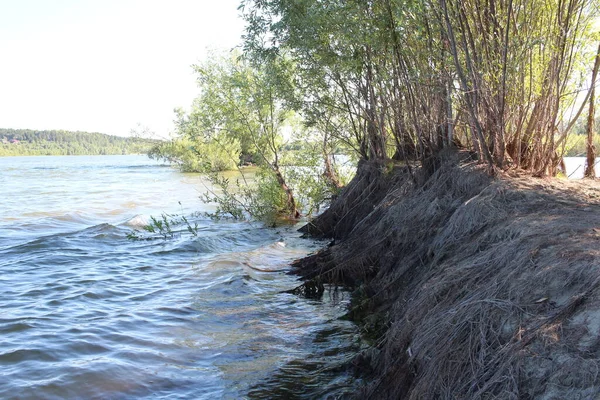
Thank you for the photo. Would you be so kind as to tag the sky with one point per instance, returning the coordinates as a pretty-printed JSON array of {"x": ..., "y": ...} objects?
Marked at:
[{"x": 106, "y": 66}]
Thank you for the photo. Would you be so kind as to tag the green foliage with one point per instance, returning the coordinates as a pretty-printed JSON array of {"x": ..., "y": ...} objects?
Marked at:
[
  {"x": 241, "y": 102},
  {"x": 303, "y": 171},
  {"x": 259, "y": 198},
  {"x": 161, "y": 226},
  {"x": 193, "y": 155},
  {"x": 244, "y": 112},
  {"x": 575, "y": 145},
  {"x": 24, "y": 142},
  {"x": 404, "y": 79},
  {"x": 166, "y": 227},
  {"x": 178, "y": 152},
  {"x": 231, "y": 201}
]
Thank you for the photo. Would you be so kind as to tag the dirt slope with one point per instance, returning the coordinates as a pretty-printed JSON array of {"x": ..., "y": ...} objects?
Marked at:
[{"x": 469, "y": 287}]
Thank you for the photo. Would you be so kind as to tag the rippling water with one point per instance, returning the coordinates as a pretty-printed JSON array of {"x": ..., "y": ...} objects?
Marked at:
[{"x": 89, "y": 313}]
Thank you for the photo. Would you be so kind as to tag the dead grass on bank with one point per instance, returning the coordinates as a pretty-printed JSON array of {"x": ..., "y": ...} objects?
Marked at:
[{"x": 482, "y": 288}]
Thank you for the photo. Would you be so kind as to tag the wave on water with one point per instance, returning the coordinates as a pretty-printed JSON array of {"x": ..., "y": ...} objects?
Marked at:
[
  {"x": 39, "y": 226},
  {"x": 143, "y": 166},
  {"x": 45, "y": 221},
  {"x": 76, "y": 234},
  {"x": 138, "y": 222},
  {"x": 66, "y": 240},
  {"x": 74, "y": 217},
  {"x": 77, "y": 230},
  {"x": 206, "y": 308},
  {"x": 109, "y": 167}
]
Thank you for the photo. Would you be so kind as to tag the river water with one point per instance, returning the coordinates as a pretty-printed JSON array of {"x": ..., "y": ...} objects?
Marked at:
[
  {"x": 576, "y": 167},
  {"x": 89, "y": 313}
]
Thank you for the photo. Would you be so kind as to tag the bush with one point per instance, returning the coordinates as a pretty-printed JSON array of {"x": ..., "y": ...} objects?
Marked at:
[
  {"x": 198, "y": 156},
  {"x": 259, "y": 197},
  {"x": 576, "y": 145}
]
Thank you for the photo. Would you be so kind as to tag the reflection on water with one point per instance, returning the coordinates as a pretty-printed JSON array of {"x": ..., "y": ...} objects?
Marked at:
[{"x": 87, "y": 313}]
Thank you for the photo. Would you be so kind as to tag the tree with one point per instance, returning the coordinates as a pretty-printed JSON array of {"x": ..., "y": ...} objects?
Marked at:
[
  {"x": 408, "y": 78},
  {"x": 590, "y": 170},
  {"x": 245, "y": 103}
]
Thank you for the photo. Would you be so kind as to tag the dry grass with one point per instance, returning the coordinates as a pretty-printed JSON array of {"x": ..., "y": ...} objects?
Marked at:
[{"x": 485, "y": 288}]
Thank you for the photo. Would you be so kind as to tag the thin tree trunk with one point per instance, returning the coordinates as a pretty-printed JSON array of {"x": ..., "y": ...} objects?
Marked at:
[
  {"x": 485, "y": 152},
  {"x": 501, "y": 150},
  {"x": 449, "y": 112},
  {"x": 291, "y": 202},
  {"x": 329, "y": 173},
  {"x": 590, "y": 171}
]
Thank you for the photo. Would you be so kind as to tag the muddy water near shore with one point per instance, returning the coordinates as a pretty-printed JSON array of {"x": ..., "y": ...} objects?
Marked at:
[{"x": 89, "y": 313}]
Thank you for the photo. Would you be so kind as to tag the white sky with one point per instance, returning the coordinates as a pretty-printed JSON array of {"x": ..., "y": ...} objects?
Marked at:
[{"x": 106, "y": 65}]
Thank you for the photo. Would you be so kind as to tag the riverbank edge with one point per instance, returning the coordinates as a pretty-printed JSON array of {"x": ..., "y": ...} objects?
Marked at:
[{"x": 466, "y": 286}]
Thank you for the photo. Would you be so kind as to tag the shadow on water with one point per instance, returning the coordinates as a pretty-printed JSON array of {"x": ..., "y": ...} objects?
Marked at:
[{"x": 322, "y": 373}]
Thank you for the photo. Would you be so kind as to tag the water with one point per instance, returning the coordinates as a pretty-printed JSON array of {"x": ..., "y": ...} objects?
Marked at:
[
  {"x": 88, "y": 313},
  {"x": 576, "y": 167}
]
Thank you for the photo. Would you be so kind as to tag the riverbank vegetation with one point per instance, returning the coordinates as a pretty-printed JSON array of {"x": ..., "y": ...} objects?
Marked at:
[
  {"x": 25, "y": 142},
  {"x": 577, "y": 145},
  {"x": 393, "y": 80},
  {"x": 404, "y": 80},
  {"x": 248, "y": 114},
  {"x": 472, "y": 276},
  {"x": 474, "y": 273}
]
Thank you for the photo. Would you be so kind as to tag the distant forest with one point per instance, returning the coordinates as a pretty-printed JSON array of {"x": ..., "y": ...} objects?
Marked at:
[{"x": 25, "y": 142}]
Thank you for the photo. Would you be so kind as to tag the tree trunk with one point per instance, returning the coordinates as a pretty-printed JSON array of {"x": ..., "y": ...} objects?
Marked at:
[
  {"x": 470, "y": 99},
  {"x": 329, "y": 173},
  {"x": 590, "y": 171},
  {"x": 290, "y": 201}
]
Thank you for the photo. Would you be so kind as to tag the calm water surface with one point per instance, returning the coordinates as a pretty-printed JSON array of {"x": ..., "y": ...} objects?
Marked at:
[{"x": 88, "y": 313}]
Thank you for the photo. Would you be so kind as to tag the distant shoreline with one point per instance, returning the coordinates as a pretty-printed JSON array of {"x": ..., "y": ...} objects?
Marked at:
[
  {"x": 26, "y": 142},
  {"x": 71, "y": 155}
]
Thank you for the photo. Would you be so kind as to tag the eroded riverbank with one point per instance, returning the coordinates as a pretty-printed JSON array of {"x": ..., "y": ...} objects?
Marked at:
[{"x": 467, "y": 286}]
